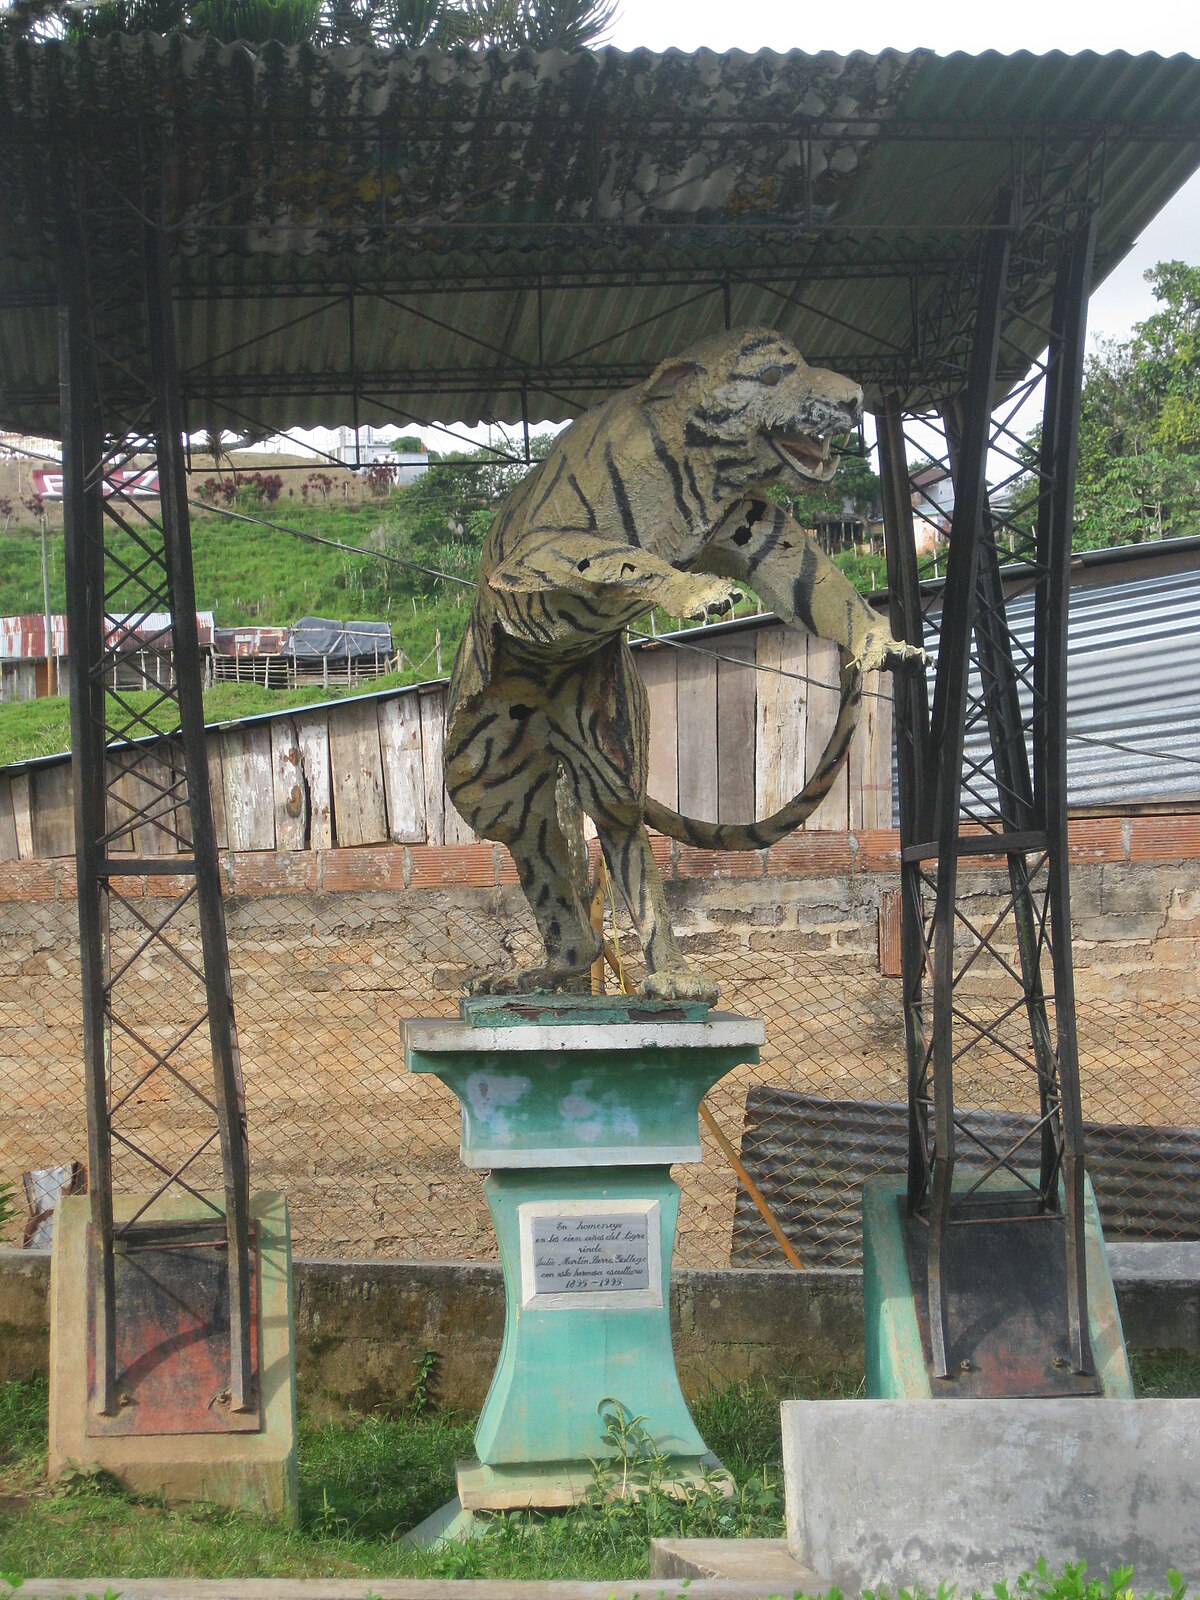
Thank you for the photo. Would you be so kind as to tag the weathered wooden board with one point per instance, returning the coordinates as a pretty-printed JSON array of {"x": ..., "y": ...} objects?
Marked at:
[
  {"x": 52, "y": 807},
  {"x": 456, "y": 830},
  {"x": 291, "y": 791},
  {"x": 8, "y": 827},
  {"x": 658, "y": 669},
  {"x": 216, "y": 790},
  {"x": 22, "y": 814},
  {"x": 312, "y": 735},
  {"x": 433, "y": 764},
  {"x": 154, "y": 777},
  {"x": 737, "y": 687},
  {"x": 403, "y": 775},
  {"x": 249, "y": 791},
  {"x": 824, "y": 665},
  {"x": 173, "y": 752},
  {"x": 360, "y": 815},
  {"x": 696, "y": 709},
  {"x": 781, "y": 716},
  {"x": 871, "y": 758}
]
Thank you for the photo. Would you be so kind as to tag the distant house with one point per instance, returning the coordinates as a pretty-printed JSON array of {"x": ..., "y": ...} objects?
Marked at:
[
  {"x": 313, "y": 650},
  {"x": 368, "y": 448},
  {"x": 31, "y": 666}
]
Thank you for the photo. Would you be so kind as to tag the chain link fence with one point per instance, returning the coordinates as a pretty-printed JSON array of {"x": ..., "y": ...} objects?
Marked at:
[{"x": 368, "y": 1154}]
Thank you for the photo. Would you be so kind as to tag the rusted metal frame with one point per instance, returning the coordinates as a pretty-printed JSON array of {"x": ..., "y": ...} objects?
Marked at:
[
  {"x": 84, "y": 555},
  {"x": 155, "y": 932},
  {"x": 161, "y": 1058},
  {"x": 173, "y": 1176},
  {"x": 1059, "y": 457},
  {"x": 119, "y": 731},
  {"x": 227, "y": 1073},
  {"x": 911, "y": 700},
  {"x": 135, "y": 815},
  {"x": 947, "y": 730},
  {"x": 1018, "y": 813}
]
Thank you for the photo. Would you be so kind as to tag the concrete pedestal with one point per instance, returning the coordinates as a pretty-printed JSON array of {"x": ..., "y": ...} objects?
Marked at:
[
  {"x": 577, "y": 1123},
  {"x": 889, "y": 1494},
  {"x": 247, "y": 1471}
]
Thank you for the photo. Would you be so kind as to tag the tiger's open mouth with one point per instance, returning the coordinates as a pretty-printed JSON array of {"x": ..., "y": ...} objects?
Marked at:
[{"x": 807, "y": 453}]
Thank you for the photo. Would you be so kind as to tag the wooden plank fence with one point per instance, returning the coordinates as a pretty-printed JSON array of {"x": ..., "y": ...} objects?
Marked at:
[{"x": 737, "y": 719}]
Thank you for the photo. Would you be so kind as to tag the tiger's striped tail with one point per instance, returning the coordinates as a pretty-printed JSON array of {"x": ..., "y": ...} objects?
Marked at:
[{"x": 768, "y": 831}]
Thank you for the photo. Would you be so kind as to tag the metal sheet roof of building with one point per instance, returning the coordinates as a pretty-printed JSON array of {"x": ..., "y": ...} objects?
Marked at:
[
  {"x": 23, "y": 638},
  {"x": 408, "y": 235}
]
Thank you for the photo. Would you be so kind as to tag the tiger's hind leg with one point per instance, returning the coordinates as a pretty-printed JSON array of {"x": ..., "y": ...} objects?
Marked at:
[
  {"x": 502, "y": 777},
  {"x": 603, "y": 741},
  {"x": 630, "y": 860}
]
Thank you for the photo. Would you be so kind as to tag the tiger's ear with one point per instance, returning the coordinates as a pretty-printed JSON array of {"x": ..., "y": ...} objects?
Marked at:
[{"x": 669, "y": 376}]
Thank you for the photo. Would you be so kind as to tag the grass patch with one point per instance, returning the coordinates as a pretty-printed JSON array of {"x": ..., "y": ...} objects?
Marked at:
[
  {"x": 366, "y": 1480},
  {"x": 363, "y": 1483},
  {"x": 32, "y": 728}
]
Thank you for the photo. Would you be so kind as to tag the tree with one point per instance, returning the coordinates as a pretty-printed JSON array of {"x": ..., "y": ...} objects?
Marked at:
[
  {"x": 442, "y": 519},
  {"x": 509, "y": 24},
  {"x": 1138, "y": 474}
]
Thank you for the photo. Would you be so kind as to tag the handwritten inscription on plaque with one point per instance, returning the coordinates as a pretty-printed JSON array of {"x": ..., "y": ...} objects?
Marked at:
[
  {"x": 591, "y": 1253},
  {"x": 602, "y": 1254}
]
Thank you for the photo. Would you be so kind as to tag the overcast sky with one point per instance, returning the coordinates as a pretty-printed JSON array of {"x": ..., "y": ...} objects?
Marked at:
[{"x": 946, "y": 25}]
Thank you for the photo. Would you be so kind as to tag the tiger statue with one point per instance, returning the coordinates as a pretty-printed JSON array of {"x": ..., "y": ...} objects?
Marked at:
[{"x": 655, "y": 498}]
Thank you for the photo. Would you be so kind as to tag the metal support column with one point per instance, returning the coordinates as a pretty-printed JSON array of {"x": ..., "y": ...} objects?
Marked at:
[
  {"x": 157, "y": 997},
  {"x": 954, "y": 804}
]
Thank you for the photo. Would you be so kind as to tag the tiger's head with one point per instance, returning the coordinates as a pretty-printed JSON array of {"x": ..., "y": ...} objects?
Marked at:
[{"x": 750, "y": 401}]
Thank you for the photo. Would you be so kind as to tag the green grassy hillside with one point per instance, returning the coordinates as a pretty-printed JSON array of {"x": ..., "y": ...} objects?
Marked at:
[{"x": 250, "y": 574}]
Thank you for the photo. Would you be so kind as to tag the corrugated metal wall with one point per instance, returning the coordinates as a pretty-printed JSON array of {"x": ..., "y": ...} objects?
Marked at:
[{"x": 1133, "y": 695}]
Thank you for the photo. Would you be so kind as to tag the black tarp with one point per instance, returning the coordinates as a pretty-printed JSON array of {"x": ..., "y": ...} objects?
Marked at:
[{"x": 316, "y": 638}]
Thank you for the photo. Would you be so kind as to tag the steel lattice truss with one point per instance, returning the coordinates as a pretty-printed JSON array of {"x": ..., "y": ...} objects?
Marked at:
[
  {"x": 983, "y": 773},
  {"x": 140, "y": 816}
]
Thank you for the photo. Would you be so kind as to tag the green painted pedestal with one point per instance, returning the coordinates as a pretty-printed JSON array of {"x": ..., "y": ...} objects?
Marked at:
[{"x": 577, "y": 1121}]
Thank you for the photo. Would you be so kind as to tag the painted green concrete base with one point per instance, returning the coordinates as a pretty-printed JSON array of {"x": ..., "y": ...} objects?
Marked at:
[
  {"x": 254, "y": 1472},
  {"x": 577, "y": 1123},
  {"x": 561, "y": 1366},
  {"x": 895, "y": 1356}
]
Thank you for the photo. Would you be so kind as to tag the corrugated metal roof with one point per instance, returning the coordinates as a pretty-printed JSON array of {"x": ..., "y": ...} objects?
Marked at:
[
  {"x": 554, "y": 224},
  {"x": 809, "y": 1157},
  {"x": 311, "y": 638},
  {"x": 23, "y": 638},
  {"x": 1133, "y": 690}
]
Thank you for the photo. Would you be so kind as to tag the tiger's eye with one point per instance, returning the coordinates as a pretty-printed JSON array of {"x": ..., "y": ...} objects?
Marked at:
[{"x": 771, "y": 376}]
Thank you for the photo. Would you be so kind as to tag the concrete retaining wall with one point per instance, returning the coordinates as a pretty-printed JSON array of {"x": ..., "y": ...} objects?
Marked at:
[{"x": 362, "y": 1327}]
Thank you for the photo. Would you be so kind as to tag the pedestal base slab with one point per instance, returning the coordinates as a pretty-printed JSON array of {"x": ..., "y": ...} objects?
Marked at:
[{"x": 551, "y": 1485}]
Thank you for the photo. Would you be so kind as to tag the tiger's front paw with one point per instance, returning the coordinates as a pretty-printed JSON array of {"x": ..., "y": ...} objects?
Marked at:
[
  {"x": 879, "y": 650},
  {"x": 681, "y": 985}
]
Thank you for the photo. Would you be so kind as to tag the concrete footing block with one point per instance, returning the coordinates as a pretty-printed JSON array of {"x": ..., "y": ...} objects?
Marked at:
[
  {"x": 749, "y": 1560},
  {"x": 899, "y": 1492},
  {"x": 252, "y": 1472}
]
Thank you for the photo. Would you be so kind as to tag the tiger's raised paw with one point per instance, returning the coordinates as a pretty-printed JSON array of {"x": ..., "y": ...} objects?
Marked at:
[{"x": 683, "y": 985}]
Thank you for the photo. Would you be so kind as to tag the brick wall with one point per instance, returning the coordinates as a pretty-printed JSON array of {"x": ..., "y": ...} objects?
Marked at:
[{"x": 330, "y": 949}]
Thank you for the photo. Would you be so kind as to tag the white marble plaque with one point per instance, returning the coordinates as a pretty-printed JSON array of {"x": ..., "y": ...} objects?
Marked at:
[{"x": 599, "y": 1253}]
